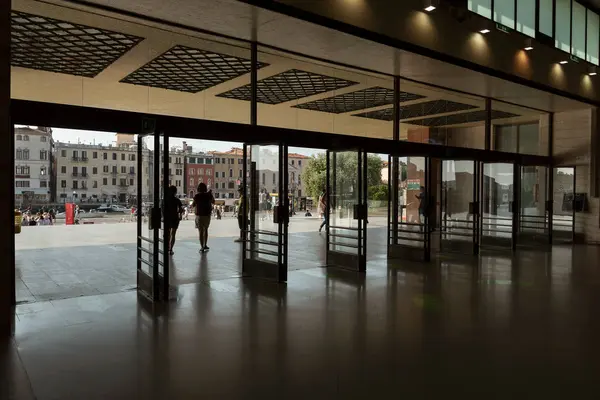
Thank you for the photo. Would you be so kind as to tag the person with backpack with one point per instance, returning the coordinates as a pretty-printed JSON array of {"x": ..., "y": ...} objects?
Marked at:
[{"x": 203, "y": 205}]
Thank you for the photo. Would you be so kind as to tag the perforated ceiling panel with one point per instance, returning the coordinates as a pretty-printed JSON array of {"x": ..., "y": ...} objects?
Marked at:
[
  {"x": 461, "y": 118},
  {"x": 432, "y": 107},
  {"x": 358, "y": 100},
  {"x": 289, "y": 85},
  {"x": 58, "y": 46},
  {"x": 186, "y": 69}
]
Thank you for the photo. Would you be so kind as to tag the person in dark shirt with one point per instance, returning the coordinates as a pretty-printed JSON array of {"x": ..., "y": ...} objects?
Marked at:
[
  {"x": 172, "y": 215},
  {"x": 203, "y": 205},
  {"x": 241, "y": 215}
]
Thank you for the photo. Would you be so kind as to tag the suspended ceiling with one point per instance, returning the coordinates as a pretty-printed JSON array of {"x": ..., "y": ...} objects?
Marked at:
[{"x": 73, "y": 56}]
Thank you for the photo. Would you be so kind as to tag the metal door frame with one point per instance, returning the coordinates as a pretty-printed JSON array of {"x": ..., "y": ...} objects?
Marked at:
[
  {"x": 394, "y": 249},
  {"x": 573, "y": 213},
  {"x": 252, "y": 267},
  {"x": 513, "y": 204},
  {"x": 548, "y": 205},
  {"x": 473, "y": 204},
  {"x": 338, "y": 259},
  {"x": 155, "y": 287}
]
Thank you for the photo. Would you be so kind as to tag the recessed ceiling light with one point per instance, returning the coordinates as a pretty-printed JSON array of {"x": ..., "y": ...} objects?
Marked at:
[
  {"x": 593, "y": 73},
  {"x": 429, "y": 8},
  {"x": 484, "y": 31},
  {"x": 528, "y": 48},
  {"x": 563, "y": 62}
]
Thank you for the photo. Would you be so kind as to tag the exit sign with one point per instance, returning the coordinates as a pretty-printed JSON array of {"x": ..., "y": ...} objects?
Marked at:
[{"x": 502, "y": 28}]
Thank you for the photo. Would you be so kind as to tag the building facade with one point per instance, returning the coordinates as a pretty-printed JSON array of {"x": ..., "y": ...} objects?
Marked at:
[
  {"x": 199, "y": 168},
  {"x": 228, "y": 173},
  {"x": 96, "y": 173},
  {"x": 33, "y": 166}
]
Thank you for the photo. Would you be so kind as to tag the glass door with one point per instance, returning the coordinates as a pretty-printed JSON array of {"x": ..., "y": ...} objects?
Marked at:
[
  {"x": 563, "y": 212},
  {"x": 152, "y": 252},
  {"x": 412, "y": 208},
  {"x": 459, "y": 215},
  {"x": 497, "y": 206},
  {"x": 534, "y": 212},
  {"x": 346, "y": 210},
  {"x": 265, "y": 228}
]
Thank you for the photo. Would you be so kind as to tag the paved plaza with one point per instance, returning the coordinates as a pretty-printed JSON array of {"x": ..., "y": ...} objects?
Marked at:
[{"x": 57, "y": 262}]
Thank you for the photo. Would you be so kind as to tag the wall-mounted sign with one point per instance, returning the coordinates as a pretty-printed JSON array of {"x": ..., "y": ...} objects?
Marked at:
[
  {"x": 503, "y": 28},
  {"x": 413, "y": 184}
]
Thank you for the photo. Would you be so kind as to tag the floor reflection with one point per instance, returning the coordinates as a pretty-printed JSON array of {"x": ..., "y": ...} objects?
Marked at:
[{"x": 522, "y": 326}]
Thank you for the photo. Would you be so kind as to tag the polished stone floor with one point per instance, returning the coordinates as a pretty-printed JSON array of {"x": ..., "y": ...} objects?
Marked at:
[{"x": 522, "y": 327}]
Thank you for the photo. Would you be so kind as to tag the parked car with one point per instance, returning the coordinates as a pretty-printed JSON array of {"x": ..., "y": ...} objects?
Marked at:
[{"x": 113, "y": 208}]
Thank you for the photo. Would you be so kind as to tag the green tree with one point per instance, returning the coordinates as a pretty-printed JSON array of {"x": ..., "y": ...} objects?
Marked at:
[
  {"x": 314, "y": 175},
  {"x": 378, "y": 192}
]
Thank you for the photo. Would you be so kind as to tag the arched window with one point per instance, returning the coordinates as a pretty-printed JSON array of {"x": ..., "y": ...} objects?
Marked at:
[
  {"x": 19, "y": 154},
  {"x": 25, "y": 137},
  {"x": 191, "y": 181},
  {"x": 19, "y": 137}
]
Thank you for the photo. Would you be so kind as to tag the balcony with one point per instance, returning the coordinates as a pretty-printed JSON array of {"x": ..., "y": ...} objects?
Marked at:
[
  {"x": 79, "y": 159},
  {"x": 75, "y": 174}
]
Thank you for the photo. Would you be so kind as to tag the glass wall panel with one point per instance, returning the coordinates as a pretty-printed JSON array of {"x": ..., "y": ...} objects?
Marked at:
[
  {"x": 563, "y": 25},
  {"x": 526, "y": 17},
  {"x": 125, "y": 64},
  {"x": 481, "y": 7},
  {"x": 546, "y": 17},
  {"x": 504, "y": 13},
  {"x": 593, "y": 37},
  {"x": 519, "y": 130},
  {"x": 300, "y": 93},
  {"x": 435, "y": 116},
  {"x": 579, "y": 30}
]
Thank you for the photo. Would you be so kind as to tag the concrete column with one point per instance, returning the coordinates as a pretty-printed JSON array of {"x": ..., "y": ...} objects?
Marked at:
[{"x": 7, "y": 243}]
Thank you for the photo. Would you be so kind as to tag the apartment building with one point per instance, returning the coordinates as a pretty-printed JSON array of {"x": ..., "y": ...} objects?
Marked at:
[
  {"x": 296, "y": 164},
  {"x": 33, "y": 165},
  {"x": 199, "y": 168},
  {"x": 96, "y": 173},
  {"x": 228, "y": 170}
]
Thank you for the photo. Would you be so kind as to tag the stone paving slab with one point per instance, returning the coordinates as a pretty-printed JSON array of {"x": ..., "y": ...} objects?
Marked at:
[{"x": 59, "y": 262}]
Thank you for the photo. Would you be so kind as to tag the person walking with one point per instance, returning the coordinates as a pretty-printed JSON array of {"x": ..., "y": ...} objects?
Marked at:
[
  {"x": 241, "y": 215},
  {"x": 323, "y": 209},
  {"x": 203, "y": 204},
  {"x": 423, "y": 205},
  {"x": 172, "y": 211}
]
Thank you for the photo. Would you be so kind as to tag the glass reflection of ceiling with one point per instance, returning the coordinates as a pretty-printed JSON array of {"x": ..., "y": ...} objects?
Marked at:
[
  {"x": 432, "y": 107},
  {"x": 53, "y": 45},
  {"x": 186, "y": 69},
  {"x": 289, "y": 85},
  {"x": 461, "y": 118},
  {"x": 358, "y": 100}
]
